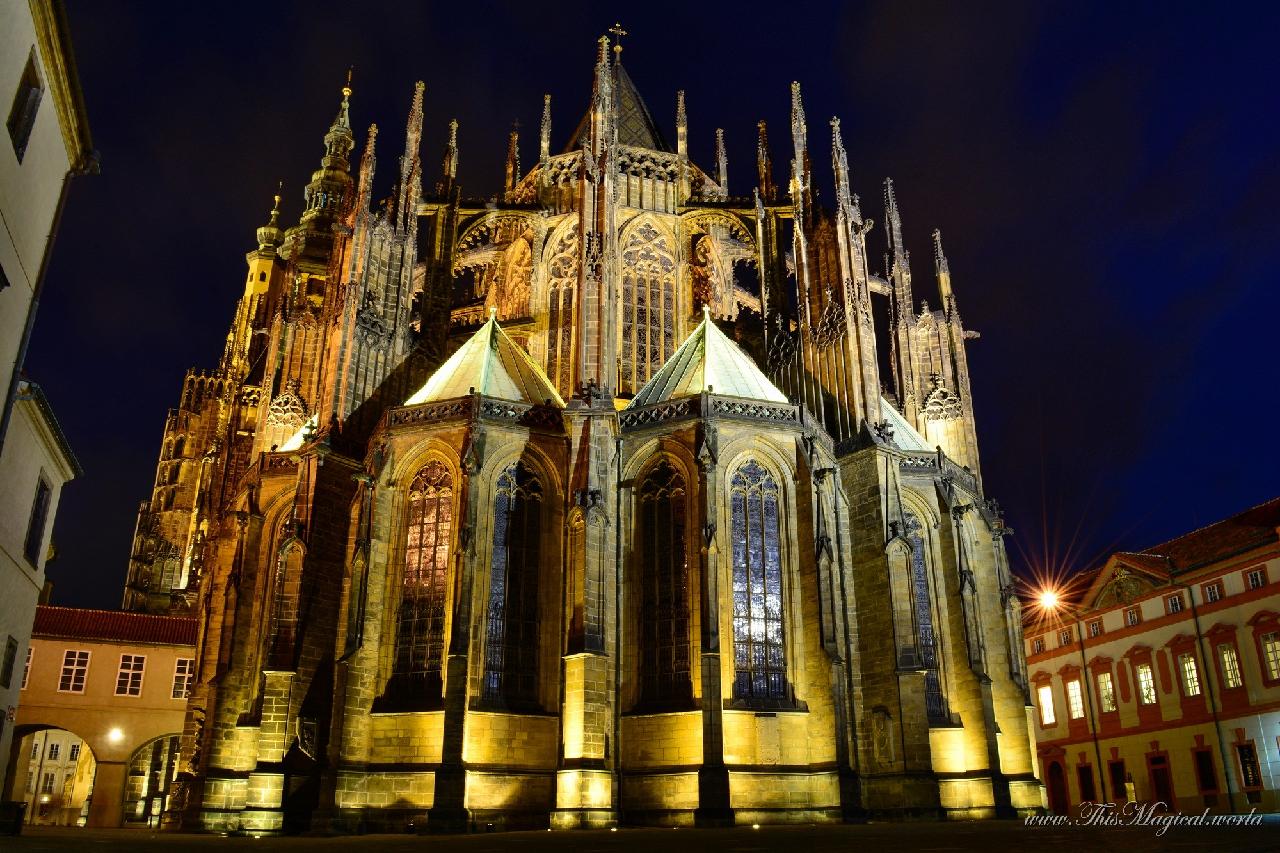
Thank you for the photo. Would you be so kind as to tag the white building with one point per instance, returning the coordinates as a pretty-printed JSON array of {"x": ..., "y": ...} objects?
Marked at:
[{"x": 45, "y": 143}]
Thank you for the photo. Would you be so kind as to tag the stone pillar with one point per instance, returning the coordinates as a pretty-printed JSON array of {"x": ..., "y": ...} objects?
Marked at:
[
  {"x": 105, "y": 806},
  {"x": 713, "y": 776}
]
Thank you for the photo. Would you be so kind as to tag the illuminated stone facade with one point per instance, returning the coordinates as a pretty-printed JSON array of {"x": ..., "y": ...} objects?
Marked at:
[{"x": 489, "y": 520}]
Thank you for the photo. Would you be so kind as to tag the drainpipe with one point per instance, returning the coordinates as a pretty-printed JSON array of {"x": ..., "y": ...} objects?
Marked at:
[
  {"x": 1087, "y": 677},
  {"x": 1213, "y": 699}
]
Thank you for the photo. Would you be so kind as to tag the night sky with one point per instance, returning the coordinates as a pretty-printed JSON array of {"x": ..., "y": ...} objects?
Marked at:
[{"x": 1105, "y": 181}]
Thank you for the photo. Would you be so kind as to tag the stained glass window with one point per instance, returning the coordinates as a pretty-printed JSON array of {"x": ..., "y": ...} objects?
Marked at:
[
  {"x": 563, "y": 291},
  {"x": 511, "y": 632},
  {"x": 922, "y": 612},
  {"x": 758, "y": 655},
  {"x": 664, "y": 595},
  {"x": 648, "y": 306},
  {"x": 420, "y": 638}
]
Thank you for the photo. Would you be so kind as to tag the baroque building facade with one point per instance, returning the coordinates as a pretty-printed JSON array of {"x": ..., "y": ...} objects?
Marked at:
[{"x": 584, "y": 504}]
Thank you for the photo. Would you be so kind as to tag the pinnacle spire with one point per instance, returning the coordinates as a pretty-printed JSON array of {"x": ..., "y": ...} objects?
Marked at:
[
  {"x": 449, "y": 166},
  {"x": 764, "y": 164},
  {"x": 894, "y": 220},
  {"x": 682, "y": 127},
  {"x": 722, "y": 164},
  {"x": 368, "y": 163},
  {"x": 544, "y": 137},
  {"x": 411, "y": 161},
  {"x": 513, "y": 162}
]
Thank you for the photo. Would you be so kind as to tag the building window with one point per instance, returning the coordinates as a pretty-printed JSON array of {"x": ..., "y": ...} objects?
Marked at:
[
  {"x": 26, "y": 670},
  {"x": 46, "y": 784},
  {"x": 1230, "y": 665},
  {"x": 1132, "y": 616},
  {"x": 760, "y": 671},
  {"x": 648, "y": 306},
  {"x": 664, "y": 596},
  {"x": 31, "y": 782},
  {"x": 1075, "y": 700},
  {"x": 75, "y": 666},
  {"x": 35, "y": 750},
  {"x": 73, "y": 754},
  {"x": 1271, "y": 655},
  {"x": 511, "y": 637},
  {"x": 420, "y": 638},
  {"x": 183, "y": 672},
  {"x": 1106, "y": 692},
  {"x": 922, "y": 614},
  {"x": 1256, "y": 578},
  {"x": 1095, "y": 628},
  {"x": 55, "y": 749},
  {"x": 26, "y": 101},
  {"x": 1250, "y": 773},
  {"x": 1045, "y": 694},
  {"x": 36, "y": 525},
  {"x": 1064, "y": 637},
  {"x": 1212, "y": 592},
  {"x": 10, "y": 660},
  {"x": 129, "y": 678},
  {"x": 1037, "y": 645},
  {"x": 1173, "y": 603},
  {"x": 1146, "y": 685},
  {"x": 1190, "y": 674},
  {"x": 1206, "y": 775}
]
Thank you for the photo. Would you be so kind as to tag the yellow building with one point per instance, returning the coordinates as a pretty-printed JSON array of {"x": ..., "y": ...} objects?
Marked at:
[
  {"x": 104, "y": 695},
  {"x": 1163, "y": 683},
  {"x": 584, "y": 504}
]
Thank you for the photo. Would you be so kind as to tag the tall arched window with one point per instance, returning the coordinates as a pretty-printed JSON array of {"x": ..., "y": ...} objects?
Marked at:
[
  {"x": 664, "y": 595},
  {"x": 562, "y": 292},
  {"x": 511, "y": 626},
  {"x": 760, "y": 669},
  {"x": 420, "y": 638},
  {"x": 922, "y": 615},
  {"x": 648, "y": 306}
]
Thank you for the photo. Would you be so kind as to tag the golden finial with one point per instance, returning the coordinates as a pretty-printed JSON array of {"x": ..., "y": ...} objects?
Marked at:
[
  {"x": 618, "y": 32},
  {"x": 346, "y": 90},
  {"x": 275, "y": 208}
]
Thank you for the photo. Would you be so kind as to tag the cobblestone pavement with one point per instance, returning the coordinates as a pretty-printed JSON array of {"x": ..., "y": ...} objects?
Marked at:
[{"x": 914, "y": 837}]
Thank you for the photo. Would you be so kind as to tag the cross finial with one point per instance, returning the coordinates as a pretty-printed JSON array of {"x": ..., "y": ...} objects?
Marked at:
[
  {"x": 618, "y": 32},
  {"x": 493, "y": 312},
  {"x": 706, "y": 313}
]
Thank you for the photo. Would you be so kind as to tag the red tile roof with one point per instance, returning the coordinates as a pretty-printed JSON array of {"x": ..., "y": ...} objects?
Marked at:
[
  {"x": 1242, "y": 532},
  {"x": 114, "y": 625}
]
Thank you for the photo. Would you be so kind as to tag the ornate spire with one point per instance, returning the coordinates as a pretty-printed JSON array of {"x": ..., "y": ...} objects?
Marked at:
[
  {"x": 722, "y": 164},
  {"x": 800, "y": 171},
  {"x": 449, "y": 168},
  {"x": 943, "y": 271},
  {"x": 411, "y": 161},
  {"x": 513, "y": 162},
  {"x": 764, "y": 164},
  {"x": 799, "y": 132},
  {"x": 544, "y": 137},
  {"x": 894, "y": 231},
  {"x": 682, "y": 127},
  {"x": 368, "y": 163},
  {"x": 331, "y": 183}
]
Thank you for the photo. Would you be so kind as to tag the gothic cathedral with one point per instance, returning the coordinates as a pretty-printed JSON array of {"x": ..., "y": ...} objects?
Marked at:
[{"x": 585, "y": 504}]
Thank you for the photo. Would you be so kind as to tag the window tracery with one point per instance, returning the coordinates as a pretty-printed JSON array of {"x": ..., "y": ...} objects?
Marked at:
[
  {"x": 511, "y": 624},
  {"x": 760, "y": 671},
  {"x": 562, "y": 292},
  {"x": 665, "y": 675},
  {"x": 648, "y": 306},
  {"x": 428, "y": 535}
]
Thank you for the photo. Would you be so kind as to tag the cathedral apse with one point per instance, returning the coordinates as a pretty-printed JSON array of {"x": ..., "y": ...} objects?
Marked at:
[{"x": 586, "y": 504}]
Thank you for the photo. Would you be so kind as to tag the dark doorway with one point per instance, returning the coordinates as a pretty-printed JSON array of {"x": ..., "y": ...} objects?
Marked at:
[
  {"x": 1084, "y": 777},
  {"x": 1161, "y": 781},
  {"x": 1059, "y": 801}
]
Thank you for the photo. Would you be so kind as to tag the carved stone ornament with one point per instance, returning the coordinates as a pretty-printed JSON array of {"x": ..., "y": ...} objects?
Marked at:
[{"x": 288, "y": 410}]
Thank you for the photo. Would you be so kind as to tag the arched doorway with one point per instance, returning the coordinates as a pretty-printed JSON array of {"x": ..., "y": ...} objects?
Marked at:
[
  {"x": 1059, "y": 801},
  {"x": 53, "y": 771},
  {"x": 148, "y": 777}
]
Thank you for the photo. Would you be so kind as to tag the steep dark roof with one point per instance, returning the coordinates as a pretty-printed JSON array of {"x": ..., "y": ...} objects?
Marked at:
[
  {"x": 113, "y": 626},
  {"x": 636, "y": 126},
  {"x": 1235, "y": 535}
]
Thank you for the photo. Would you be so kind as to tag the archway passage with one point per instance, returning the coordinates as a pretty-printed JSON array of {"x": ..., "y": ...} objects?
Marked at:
[
  {"x": 1059, "y": 802},
  {"x": 149, "y": 775},
  {"x": 53, "y": 771}
]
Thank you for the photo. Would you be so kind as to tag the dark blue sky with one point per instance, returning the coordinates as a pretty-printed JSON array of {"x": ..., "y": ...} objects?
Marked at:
[{"x": 1105, "y": 180}]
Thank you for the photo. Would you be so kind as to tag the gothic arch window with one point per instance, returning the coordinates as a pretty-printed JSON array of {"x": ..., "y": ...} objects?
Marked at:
[
  {"x": 428, "y": 534},
  {"x": 511, "y": 623},
  {"x": 648, "y": 306},
  {"x": 759, "y": 660},
  {"x": 665, "y": 678},
  {"x": 562, "y": 292},
  {"x": 286, "y": 586},
  {"x": 922, "y": 617}
]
